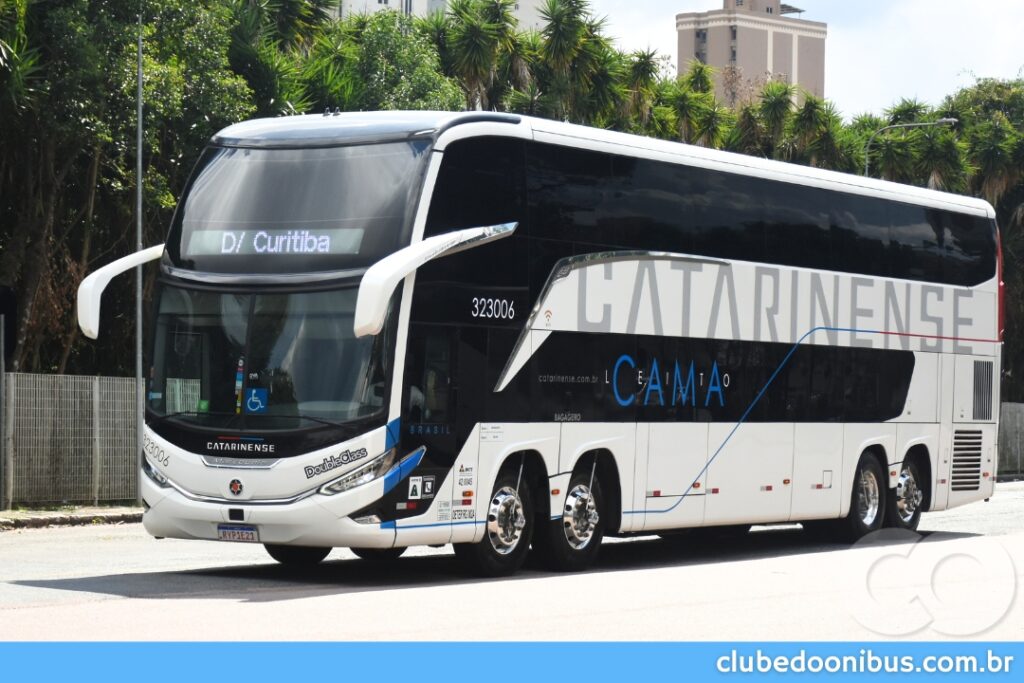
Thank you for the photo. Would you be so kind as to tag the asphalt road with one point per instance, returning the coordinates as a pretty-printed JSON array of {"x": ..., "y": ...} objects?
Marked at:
[{"x": 959, "y": 579}]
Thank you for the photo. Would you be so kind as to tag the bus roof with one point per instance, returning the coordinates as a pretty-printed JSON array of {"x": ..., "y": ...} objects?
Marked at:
[{"x": 346, "y": 128}]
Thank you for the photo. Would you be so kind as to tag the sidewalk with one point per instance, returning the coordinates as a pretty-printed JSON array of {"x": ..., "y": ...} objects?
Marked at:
[{"x": 68, "y": 516}]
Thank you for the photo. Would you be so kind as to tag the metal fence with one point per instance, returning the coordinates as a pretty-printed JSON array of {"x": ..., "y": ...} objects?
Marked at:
[
  {"x": 1011, "y": 440},
  {"x": 68, "y": 439}
]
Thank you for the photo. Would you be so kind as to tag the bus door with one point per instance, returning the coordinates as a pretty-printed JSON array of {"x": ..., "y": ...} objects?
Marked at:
[{"x": 443, "y": 367}]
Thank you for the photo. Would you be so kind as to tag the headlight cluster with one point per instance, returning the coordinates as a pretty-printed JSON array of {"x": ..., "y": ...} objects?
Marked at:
[
  {"x": 153, "y": 473},
  {"x": 364, "y": 475}
]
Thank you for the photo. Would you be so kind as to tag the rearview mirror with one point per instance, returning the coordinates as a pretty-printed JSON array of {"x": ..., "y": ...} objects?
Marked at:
[
  {"x": 91, "y": 290},
  {"x": 381, "y": 278}
]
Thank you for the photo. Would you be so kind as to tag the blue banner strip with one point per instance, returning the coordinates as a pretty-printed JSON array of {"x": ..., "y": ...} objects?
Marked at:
[{"x": 621, "y": 662}]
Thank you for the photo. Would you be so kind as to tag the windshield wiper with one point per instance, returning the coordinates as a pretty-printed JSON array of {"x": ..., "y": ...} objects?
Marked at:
[{"x": 160, "y": 418}]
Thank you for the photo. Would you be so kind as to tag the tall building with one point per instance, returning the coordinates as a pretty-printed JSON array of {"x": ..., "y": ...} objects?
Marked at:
[
  {"x": 526, "y": 11},
  {"x": 750, "y": 41}
]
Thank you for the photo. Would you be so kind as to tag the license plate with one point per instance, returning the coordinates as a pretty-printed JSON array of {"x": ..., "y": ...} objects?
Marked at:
[{"x": 237, "y": 532}]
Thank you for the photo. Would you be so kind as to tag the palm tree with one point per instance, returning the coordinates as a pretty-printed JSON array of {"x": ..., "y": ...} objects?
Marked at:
[
  {"x": 939, "y": 157},
  {"x": 991, "y": 153},
  {"x": 436, "y": 28},
  {"x": 474, "y": 45},
  {"x": 776, "y": 105},
  {"x": 700, "y": 76},
  {"x": 893, "y": 156},
  {"x": 713, "y": 125},
  {"x": 747, "y": 135},
  {"x": 641, "y": 78},
  {"x": 836, "y": 147},
  {"x": 687, "y": 104},
  {"x": 906, "y": 111},
  {"x": 19, "y": 62},
  {"x": 808, "y": 122}
]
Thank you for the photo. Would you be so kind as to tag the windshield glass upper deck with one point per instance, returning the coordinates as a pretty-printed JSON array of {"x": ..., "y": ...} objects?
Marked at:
[{"x": 259, "y": 211}]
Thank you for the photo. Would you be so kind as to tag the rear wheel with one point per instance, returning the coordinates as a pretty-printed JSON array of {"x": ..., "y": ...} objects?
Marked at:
[
  {"x": 571, "y": 541},
  {"x": 508, "y": 530},
  {"x": 867, "y": 500},
  {"x": 297, "y": 555},
  {"x": 905, "y": 501},
  {"x": 378, "y": 554}
]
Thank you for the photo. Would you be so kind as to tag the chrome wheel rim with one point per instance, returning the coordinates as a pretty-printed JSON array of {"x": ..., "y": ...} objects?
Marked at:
[
  {"x": 868, "y": 497},
  {"x": 505, "y": 520},
  {"x": 908, "y": 495},
  {"x": 580, "y": 517}
]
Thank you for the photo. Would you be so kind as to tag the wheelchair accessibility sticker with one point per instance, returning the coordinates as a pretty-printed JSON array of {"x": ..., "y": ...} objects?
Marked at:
[{"x": 255, "y": 400}]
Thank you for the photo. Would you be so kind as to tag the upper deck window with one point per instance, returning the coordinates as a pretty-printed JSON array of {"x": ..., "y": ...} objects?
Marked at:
[{"x": 296, "y": 210}]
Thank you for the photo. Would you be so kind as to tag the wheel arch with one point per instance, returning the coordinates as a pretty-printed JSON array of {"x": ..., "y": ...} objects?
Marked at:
[
  {"x": 920, "y": 456},
  {"x": 535, "y": 475},
  {"x": 611, "y": 483}
]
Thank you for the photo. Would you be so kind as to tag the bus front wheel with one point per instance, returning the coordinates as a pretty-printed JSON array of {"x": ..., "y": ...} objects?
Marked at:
[
  {"x": 507, "y": 532},
  {"x": 297, "y": 555},
  {"x": 571, "y": 540}
]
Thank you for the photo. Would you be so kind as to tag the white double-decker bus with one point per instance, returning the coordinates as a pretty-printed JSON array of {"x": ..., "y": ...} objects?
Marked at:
[{"x": 377, "y": 330}]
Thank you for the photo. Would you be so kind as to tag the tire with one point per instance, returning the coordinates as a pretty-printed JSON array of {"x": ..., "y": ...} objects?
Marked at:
[
  {"x": 572, "y": 542},
  {"x": 378, "y": 555},
  {"x": 867, "y": 500},
  {"x": 905, "y": 501},
  {"x": 297, "y": 555},
  {"x": 508, "y": 529}
]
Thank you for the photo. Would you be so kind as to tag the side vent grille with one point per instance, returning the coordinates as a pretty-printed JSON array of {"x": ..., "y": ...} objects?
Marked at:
[
  {"x": 966, "y": 460},
  {"x": 982, "y": 390}
]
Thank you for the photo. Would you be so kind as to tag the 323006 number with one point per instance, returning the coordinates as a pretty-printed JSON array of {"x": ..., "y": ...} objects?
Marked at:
[{"x": 499, "y": 309}]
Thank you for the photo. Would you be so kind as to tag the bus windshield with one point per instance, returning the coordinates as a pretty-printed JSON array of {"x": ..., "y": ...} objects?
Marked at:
[
  {"x": 243, "y": 361},
  {"x": 257, "y": 211}
]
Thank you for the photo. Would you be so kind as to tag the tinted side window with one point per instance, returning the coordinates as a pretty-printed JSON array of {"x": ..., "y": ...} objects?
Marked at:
[
  {"x": 569, "y": 193},
  {"x": 480, "y": 183},
  {"x": 859, "y": 234},
  {"x": 970, "y": 249},
  {"x": 915, "y": 245},
  {"x": 797, "y": 225}
]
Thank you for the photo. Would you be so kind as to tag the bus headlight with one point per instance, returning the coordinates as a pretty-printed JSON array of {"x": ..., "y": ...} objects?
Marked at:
[
  {"x": 363, "y": 475},
  {"x": 154, "y": 474}
]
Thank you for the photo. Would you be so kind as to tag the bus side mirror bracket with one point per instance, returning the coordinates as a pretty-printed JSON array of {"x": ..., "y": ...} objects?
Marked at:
[
  {"x": 90, "y": 291},
  {"x": 381, "y": 279}
]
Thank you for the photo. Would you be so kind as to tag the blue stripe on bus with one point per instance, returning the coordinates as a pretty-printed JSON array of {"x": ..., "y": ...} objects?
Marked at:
[
  {"x": 423, "y": 526},
  {"x": 743, "y": 417},
  {"x": 403, "y": 469}
]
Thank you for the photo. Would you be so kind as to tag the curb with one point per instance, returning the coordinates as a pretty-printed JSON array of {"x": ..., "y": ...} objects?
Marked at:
[{"x": 69, "y": 520}]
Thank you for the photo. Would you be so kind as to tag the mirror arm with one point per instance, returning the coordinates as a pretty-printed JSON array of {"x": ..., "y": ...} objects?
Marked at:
[
  {"x": 90, "y": 291},
  {"x": 381, "y": 279}
]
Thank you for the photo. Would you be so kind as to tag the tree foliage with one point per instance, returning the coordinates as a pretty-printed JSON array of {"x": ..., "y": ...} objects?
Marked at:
[{"x": 67, "y": 106}]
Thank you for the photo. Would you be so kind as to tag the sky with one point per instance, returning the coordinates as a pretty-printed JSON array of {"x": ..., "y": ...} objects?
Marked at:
[{"x": 877, "y": 51}]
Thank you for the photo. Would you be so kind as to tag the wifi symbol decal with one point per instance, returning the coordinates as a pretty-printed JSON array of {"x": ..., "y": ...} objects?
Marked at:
[{"x": 547, "y": 316}]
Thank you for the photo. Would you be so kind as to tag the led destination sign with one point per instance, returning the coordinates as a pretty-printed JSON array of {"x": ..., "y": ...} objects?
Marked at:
[{"x": 274, "y": 242}]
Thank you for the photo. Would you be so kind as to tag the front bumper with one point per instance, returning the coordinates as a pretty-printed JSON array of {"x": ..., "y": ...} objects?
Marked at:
[{"x": 317, "y": 520}]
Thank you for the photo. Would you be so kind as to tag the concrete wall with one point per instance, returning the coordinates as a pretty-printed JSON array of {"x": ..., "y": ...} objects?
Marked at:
[
  {"x": 687, "y": 48},
  {"x": 811, "y": 60},
  {"x": 751, "y": 51},
  {"x": 782, "y": 55}
]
